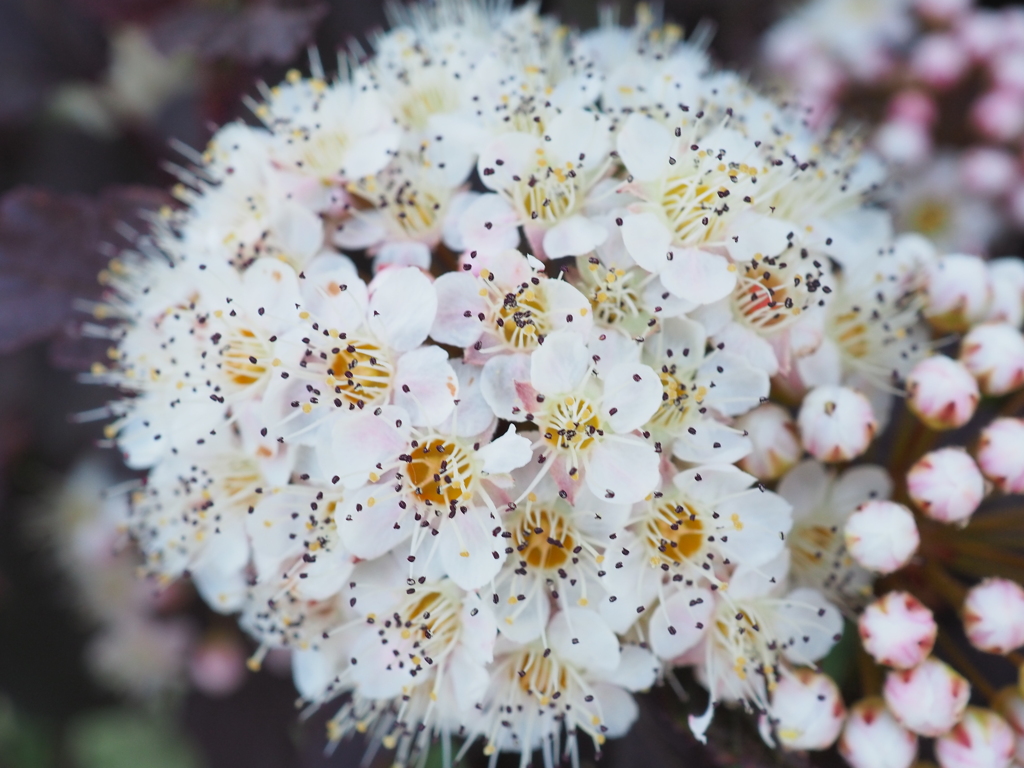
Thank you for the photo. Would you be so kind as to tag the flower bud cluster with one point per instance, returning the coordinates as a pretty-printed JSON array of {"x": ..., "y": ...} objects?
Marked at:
[{"x": 452, "y": 379}]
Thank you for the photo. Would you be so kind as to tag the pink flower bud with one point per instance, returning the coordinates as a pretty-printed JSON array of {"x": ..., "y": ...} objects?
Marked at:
[
  {"x": 942, "y": 392},
  {"x": 807, "y": 710},
  {"x": 913, "y": 107},
  {"x": 776, "y": 441},
  {"x": 939, "y": 60},
  {"x": 999, "y": 115},
  {"x": 980, "y": 33},
  {"x": 958, "y": 292},
  {"x": 946, "y": 485},
  {"x": 1007, "y": 276},
  {"x": 928, "y": 699},
  {"x": 994, "y": 354},
  {"x": 988, "y": 171},
  {"x": 873, "y": 739},
  {"x": 993, "y": 616},
  {"x": 1010, "y": 706},
  {"x": 942, "y": 11},
  {"x": 903, "y": 142},
  {"x": 836, "y": 423},
  {"x": 897, "y": 630},
  {"x": 1007, "y": 70},
  {"x": 981, "y": 740},
  {"x": 881, "y": 535},
  {"x": 1001, "y": 454}
]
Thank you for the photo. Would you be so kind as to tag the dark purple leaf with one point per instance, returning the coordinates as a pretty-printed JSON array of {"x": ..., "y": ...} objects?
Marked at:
[
  {"x": 256, "y": 34},
  {"x": 51, "y": 249}
]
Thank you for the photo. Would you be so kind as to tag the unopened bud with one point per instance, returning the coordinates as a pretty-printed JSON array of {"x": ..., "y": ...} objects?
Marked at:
[
  {"x": 836, "y": 423},
  {"x": 807, "y": 710},
  {"x": 942, "y": 392},
  {"x": 994, "y": 354},
  {"x": 776, "y": 441},
  {"x": 872, "y": 738},
  {"x": 1001, "y": 454},
  {"x": 928, "y": 699},
  {"x": 881, "y": 535},
  {"x": 958, "y": 292},
  {"x": 981, "y": 739},
  {"x": 1007, "y": 275},
  {"x": 993, "y": 616},
  {"x": 946, "y": 485},
  {"x": 1010, "y": 706},
  {"x": 897, "y": 630}
]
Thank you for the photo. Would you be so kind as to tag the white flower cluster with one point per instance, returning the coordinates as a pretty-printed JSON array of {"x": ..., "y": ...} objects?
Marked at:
[{"x": 493, "y": 490}]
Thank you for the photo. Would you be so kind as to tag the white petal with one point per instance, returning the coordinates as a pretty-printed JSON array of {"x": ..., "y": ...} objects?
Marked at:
[
  {"x": 638, "y": 669},
  {"x": 458, "y": 294},
  {"x": 426, "y": 385},
  {"x": 522, "y": 622},
  {"x": 711, "y": 442},
  {"x": 361, "y": 439},
  {"x": 699, "y": 276},
  {"x": 582, "y": 637},
  {"x": 489, "y": 225},
  {"x": 470, "y": 550},
  {"x": 624, "y": 469},
  {"x": 578, "y": 136},
  {"x": 271, "y": 285},
  {"x": 745, "y": 343},
  {"x": 859, "y": 484},
  {"x": 567, "y": 308},
  {"x": 812, "y": 622},
  {"x": 644, "y": 146},
  {"x": 759, "y": 520},
  {"x": 299, "y": 231},
  {"x": 452, "y": 229},
  {"x": 674, "y": 626},
  {"x": 499, "y": 385},
  {"x": 370, "y": 154},
  {"x": 632, "y": 394},
  {"x": 359, "y": 231},
  {"x": 647, "y": 239},
  {"x": 754, "y": 236},
  {"x": 333, "y": 291},
  {"x": 574, "y": 236},
  {"x": 618, "y": 710},
  {"x": 560, "y": 365},
  {"x": 518, "y": 155},
  {"x": 402, "y": 307},
  {"x": 369, "y": 522},
  {"x": 472, "y": 415},
  {"x": 508, "y": 452},
  {"x": 402, "y": 253},
  {"x": 806, "y": 487},
  {"x": 738, "y": 386}
]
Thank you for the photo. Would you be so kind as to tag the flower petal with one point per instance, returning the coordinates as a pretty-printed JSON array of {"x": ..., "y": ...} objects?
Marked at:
[
  {"x": 624, "y": 468},
  {"x": 644, "y": 145},
  {"x": 403, "y": 305}
]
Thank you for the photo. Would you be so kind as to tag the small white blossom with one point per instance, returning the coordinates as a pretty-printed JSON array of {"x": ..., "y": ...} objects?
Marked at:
[
  {"x": 807, "y": 710},
  {"x": 946, "y": 485},
  {"x": 942, "y": 392},
  {"x": 872, "y": 738},
  {"x": 994, "y": 354},
  {"x": 958, "y": 292},
  {"x": 775, "y": 440}
]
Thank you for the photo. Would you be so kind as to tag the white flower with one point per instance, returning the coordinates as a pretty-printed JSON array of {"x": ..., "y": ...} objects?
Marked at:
[
  {"x": 504, "y": 304},
  {"x": 993, "y": 614},
  {"x": 775, "y": 440},
  {"x": 836, "y": 423},
  {"x": 556, "y": 555},
  {"x": 807, "y": 710},
  {"x": 708, "y": 518},
  {"x": 754, "y": 628},
  {"x": 942, "y": 392},
  {"x": 946, "y": 485},
  {"x": 881, "y": 535},
  {"x": 579, "y": 681},
  {"x": 928, "y": 699},
  {"x": 994, "y": 354},
  {"x": 981, "y": 738},
  {"x": 1001, "y": 454},
  {"x": 872, "y": 738},
  {"x": 1010, "y": 705},
  {"x": 958, "y": 291},
  {"x": 897, "y": 630},
  {"x": 547, "y": 180},
  {"x": 822, "y": 502},
  {"x": 586, "y": 420}
]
